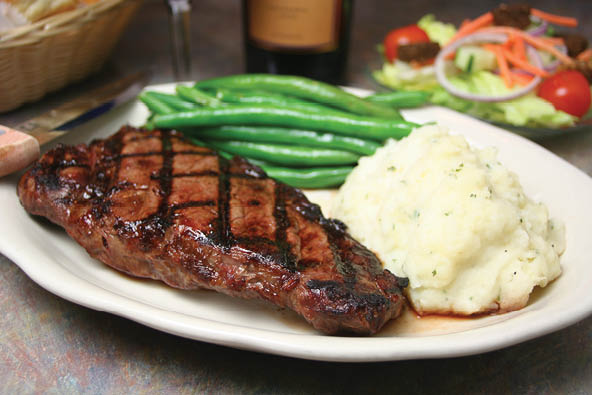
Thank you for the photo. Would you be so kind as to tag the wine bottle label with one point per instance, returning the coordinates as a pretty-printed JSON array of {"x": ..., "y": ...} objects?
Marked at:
[{"x": 294, "y": 25}]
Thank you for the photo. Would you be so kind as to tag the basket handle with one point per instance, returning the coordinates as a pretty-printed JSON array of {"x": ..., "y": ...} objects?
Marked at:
[{"x": 17, "y": 150}]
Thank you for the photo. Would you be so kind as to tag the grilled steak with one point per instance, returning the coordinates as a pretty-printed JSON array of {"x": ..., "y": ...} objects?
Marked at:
[{"x": 153, "y": 205}]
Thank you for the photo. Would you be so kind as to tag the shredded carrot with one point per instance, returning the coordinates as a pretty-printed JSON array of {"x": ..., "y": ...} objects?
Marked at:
[
  {"x": 523, "y": 64},
  {"x": 534, "y": 41},
  {"x": 553, "y": 40},
  {"x": 498, "y": 50},
  {"x": 476, "y": 24},
  {"x": 585, "y": 55},
  {"x": 464, "y": 23},
  {"x": 521, "y": 78},
  {"x": 509, "y": 43},
  {"x": 555, "y": 19},
  {"x": 518, "y": 46}
]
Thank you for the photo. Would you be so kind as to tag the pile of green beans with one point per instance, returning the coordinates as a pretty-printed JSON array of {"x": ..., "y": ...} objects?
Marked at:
[
  {"x": 305, "y": 133},
  {"x": 300, "y": 87}
]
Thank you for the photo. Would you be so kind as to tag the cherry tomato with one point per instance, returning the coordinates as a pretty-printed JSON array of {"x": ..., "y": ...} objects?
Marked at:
[
  {"x": 568, "y": 91},
  {"x": 405, "y": 35}
]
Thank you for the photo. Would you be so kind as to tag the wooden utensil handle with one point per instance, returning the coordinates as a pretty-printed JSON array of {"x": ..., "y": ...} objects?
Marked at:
[{"x": 17, "y": 150}]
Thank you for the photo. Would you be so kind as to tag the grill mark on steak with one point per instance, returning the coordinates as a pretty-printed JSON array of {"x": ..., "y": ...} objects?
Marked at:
[
  {"x": 165, "y": 180},
  {"x": 115, "y": 146},
  {"x": 162, "y": 153},
  {"x": 223, "y": 233},
  {"x": 287, "y": 259},
  {"x": 197, "y": 174},
  {"x": 168, "y": 210},
  {"x": 157, "y": 224},
  {"x": 196, "y": 203},
  {"x": 257, "y": 240},
  {"x": 334, "y": 229}
]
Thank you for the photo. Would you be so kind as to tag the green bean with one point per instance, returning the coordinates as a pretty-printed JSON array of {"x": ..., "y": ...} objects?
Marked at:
[
  {"x": 198, "y": 142},
  {"x": 173, "y": 101},
  {"x": 378, "y": 129},
  {"x": 301, "y": 87},
  {"x": 265, "y": 98},
  {"x": 285, "y": 154},
  {"x": 155, "y": 105},
  {"x": 400, "y": 99},
  {"x": 254, "y": 97},
  {"x": 298, "y": 137},
  {"x": 311, "y": 178},
  {"x": 197, "y": 96}
]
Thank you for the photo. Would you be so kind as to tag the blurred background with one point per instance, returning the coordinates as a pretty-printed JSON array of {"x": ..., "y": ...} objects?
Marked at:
[
  {"x": 217, "y": 46},
  {"x": 217, "y": 39}
]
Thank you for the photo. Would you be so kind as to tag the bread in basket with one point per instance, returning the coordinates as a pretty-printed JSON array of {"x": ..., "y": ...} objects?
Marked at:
[{"x": 46, "y": 55}]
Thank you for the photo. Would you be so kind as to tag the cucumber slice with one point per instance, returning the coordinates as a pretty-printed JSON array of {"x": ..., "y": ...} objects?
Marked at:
[{"x": 472, "y": 58}]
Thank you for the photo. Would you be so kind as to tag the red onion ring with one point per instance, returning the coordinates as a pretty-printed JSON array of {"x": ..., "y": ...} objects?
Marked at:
[
  {"x": 483, "y": 38},
  {"x": 540, "y": 30}
]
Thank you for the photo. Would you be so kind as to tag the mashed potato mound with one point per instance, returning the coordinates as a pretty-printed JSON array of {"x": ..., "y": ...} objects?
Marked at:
[{"x": 454, "y": 221}]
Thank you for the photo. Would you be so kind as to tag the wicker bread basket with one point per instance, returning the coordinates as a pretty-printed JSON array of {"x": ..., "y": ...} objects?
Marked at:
[{"x": 45, "y": 56}]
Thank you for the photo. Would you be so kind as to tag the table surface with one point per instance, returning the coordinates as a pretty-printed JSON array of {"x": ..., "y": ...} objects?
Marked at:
[{"x": 49, "y": 344}]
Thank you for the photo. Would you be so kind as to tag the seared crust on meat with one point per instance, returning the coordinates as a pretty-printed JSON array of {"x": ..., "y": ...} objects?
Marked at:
[{"x": 153, "y": 205}]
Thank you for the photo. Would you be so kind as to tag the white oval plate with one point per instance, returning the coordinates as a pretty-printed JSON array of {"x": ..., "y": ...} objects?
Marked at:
[{"x": 61, "y": 266}]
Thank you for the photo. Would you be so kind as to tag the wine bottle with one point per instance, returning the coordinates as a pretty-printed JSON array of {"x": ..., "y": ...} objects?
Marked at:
[{"x": 298, "y": 37}]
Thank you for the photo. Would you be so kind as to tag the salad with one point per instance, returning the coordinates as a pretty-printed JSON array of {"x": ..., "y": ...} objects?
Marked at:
[{"x": 513, "y": 65}]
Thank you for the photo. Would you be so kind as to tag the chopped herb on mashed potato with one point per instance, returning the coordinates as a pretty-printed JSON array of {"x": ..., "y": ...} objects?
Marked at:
[{"x": 454, "y": 221}]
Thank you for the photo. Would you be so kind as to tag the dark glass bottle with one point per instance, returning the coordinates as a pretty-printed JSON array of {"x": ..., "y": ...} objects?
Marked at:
[{"x": 297, "y": 37}]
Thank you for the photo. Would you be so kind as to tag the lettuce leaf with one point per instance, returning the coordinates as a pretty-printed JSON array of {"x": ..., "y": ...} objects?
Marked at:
[
  {"x": 401, "y": 76},
  {"x": 437, "y": 31}
]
